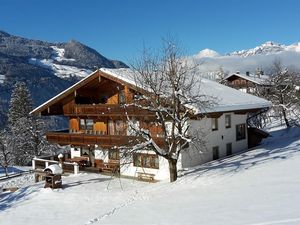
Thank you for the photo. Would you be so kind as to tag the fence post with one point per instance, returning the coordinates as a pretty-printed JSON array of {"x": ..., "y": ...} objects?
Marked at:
[
  {"x": 76, "y": 168},
  {"x": 61, "y": 161},
  {"x": 46, "y": 164}
]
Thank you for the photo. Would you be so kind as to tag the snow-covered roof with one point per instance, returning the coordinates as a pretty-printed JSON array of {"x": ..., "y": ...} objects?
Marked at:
[
  {"x": 261, "y": 79},
  {"x": 228, "y": 99}
]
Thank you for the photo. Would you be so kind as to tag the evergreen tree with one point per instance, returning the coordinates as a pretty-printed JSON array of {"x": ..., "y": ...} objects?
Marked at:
[
  {"x": 20, "y": 104},
  {"x": 19, "y": 123},
  {"x": 27, "y": 131}
]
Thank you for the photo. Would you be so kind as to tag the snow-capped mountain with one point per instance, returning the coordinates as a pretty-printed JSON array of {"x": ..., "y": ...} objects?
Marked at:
[
  {"x": 207, "y": 53},
  {"x": 47, "y": 68},
  {"x": 267, "y": 48},
  {"x": 212, "y": 63},
  {"x": 264, "y": 49}
]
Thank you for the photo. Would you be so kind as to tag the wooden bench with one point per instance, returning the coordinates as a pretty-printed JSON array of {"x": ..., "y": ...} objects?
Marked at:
[
  {"x": 112, "y": 166},
  {"x": 98, "y": 163},
  {"x": 82, "y": 161},
  {"x": 145, "y": 176}
]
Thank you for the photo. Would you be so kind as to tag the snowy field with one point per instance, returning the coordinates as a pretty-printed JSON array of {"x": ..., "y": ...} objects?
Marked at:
[{"x": 259, "y": 187}]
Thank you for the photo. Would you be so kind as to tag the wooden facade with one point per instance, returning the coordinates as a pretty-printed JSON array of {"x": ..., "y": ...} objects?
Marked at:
[
  {"x": 247, "y": 82},
  {"x": 240, "y": 83},
  {"x": 98, "y": 109},
  {"x": 89, "y": 140}
]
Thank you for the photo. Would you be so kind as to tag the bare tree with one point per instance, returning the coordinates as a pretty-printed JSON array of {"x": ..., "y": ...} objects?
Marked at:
[
  {"x": 170, "y": 90},
  {"x": 282, "y": 89},
  {"x": 220, "y": 76},
  {"x": 6, "y": 157}
]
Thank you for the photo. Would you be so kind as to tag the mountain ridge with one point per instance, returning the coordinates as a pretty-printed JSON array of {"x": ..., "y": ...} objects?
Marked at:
[
  {"x": 212, "y": 66},
  {"x": 269, "y": 47},
  {"x": 46, "y": 67}
]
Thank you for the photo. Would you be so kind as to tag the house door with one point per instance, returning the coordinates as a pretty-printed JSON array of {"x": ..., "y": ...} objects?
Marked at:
[
  {"x": 215, "y": 152},
  {"x": 228, "y": 149}
]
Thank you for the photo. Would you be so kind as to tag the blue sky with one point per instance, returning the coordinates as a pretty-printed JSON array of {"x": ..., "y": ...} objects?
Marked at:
[{"x": 119, "y": 29}]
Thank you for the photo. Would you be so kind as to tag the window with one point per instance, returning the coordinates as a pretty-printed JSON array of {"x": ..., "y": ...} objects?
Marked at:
[
  {"x": 137, "y": 160},
  {"x": 120, "y": 127},
  {"x": 214, "y": 124},
  {"x": 111, "y": 127},
  {"x": 145, "y": 160},
  {"x": 82, "y": 124},
  {"x": 86, "y": 124},
  {"x": 215, "y": 152},
  {"x": 89, "y": 124},
  {"x": 227, "y": 121},
  {"x": 228, "y": 149},
  {"x": 122, "y": 99},
  {"x": 240, "y": 132},
  {"x": 114, "y": 154}
]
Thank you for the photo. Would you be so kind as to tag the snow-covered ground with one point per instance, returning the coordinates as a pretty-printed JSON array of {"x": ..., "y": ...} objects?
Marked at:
[
  {"x": 259, "y": 187},
  {"x": 62, "y": 71}
]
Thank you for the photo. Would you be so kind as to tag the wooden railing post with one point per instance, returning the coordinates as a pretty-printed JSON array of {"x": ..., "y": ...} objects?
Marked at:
[
  {"x": 33, "y": 163},
  {"x": 76, "y": 168}
]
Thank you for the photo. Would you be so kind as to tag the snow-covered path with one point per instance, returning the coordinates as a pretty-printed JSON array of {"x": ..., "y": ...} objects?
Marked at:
[{"x": 259, "y": 187}]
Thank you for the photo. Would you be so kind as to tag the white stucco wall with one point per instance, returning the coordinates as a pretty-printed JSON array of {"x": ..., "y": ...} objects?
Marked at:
[
  {"x": 194, "y": 156},
  {"x": 75, "y": 152},
  {"x": 128, "y": 169},
  {"x": 101, "y": 154}
]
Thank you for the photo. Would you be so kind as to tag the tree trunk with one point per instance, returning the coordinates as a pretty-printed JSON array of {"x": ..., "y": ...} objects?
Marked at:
[
  {"x": 173, "y": 169},
  {"x": 6, "y": 172},
  {"x": 285, "y": 118}
]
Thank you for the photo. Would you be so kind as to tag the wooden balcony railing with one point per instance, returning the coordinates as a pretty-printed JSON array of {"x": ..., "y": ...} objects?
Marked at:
[
  {"x": 105, "y": 110},
  {"x": 104, "y": 141}
]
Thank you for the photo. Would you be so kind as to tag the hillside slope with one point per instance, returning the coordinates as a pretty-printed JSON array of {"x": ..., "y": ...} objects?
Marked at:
[
  {"x": 258, "y": 187},
  {"x": 47, "y": 68}
]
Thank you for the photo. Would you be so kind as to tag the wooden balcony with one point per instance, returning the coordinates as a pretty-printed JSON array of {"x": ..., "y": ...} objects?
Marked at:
[
  {"x": 104, "y": 141},
  {"x": 105, "y": 110}
]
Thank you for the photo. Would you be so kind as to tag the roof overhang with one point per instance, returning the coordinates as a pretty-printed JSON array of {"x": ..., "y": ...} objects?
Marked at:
[{"x": 57, "y": 101}]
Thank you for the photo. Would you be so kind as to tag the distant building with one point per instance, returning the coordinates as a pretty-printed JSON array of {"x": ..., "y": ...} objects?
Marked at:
[{"x": 247, "y": 82}]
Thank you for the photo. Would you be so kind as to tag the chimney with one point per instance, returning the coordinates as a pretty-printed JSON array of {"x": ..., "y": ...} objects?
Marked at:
[
  {"x": 247, "y": 73},
  {"x": 237, "y": 72}
]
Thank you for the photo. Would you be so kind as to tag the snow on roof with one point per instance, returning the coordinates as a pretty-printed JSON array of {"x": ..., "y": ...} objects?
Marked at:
[
  {"x": 228, "y": 99},
  {"x": 255, "y": 79},
  {"x": 55, "y": 169}
]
